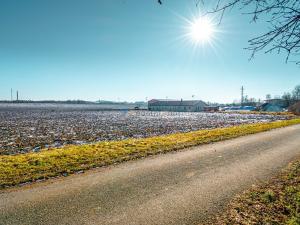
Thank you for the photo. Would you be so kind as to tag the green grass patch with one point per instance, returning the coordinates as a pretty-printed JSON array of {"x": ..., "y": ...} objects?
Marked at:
[
  {"x": 29, "y": 167},
  {"x": 277, "y": 202}
]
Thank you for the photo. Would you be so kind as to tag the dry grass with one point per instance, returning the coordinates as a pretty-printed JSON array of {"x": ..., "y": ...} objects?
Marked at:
[
  {"x": 277, "y": 202},
  {"x": 69, "y": 159}
]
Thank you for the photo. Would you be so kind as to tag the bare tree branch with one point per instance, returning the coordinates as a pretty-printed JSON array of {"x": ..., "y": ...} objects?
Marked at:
[
  {"x": 284, "y": 21},
  {"x": 284, "y": 32}
]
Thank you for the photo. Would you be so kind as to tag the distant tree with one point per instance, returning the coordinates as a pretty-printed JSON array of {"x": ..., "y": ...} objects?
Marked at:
[
  {"x": 252, "y": 100},
  {"x": 288, "y": 98},
  {"x": 296, "y": 93},
  {"x": 246, "y": 100},
  {"x": 283, "y": 17}
]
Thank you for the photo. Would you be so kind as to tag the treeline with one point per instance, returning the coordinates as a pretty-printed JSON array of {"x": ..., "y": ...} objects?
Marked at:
[
  {"x": 293, "y": 96},
  {"x": 100, "y": 102},
  {"x": 290, "y": 98},
  {"x": 49, "y": 101}
]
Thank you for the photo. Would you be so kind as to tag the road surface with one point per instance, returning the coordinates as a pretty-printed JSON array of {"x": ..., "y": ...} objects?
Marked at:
[{"x": 179, "y": 188}]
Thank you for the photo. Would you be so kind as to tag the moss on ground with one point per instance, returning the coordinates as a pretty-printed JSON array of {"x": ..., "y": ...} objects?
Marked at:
[
  {"x": 277, "y": 202},
  {"x": 29, "y": 167}
]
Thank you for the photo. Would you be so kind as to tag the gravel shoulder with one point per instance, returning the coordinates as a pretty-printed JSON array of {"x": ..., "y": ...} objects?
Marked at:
[{"x": 185, "y": 187}]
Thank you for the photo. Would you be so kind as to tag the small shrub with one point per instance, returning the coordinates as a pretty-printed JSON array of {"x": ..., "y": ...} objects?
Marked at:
[{"x": 268, "y": 196}]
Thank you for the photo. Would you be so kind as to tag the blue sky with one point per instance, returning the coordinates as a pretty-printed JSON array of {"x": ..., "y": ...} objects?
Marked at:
[{"x": 130, "y": 50}]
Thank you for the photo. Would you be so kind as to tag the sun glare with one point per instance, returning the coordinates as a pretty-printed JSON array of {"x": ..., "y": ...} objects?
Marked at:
[{"x": 202, "y": 30}]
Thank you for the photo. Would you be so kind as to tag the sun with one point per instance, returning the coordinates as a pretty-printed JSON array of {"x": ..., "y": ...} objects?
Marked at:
[{"x": 201, "y": 30}]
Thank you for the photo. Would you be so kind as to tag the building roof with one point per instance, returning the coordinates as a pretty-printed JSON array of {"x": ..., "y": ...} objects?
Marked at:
[
  {"x": 279, "y": 102},
  {"x": 166, "y": 102}
]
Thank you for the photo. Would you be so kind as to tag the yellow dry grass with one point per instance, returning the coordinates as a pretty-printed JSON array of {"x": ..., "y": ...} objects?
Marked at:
[{"x": 69, "y": 159}]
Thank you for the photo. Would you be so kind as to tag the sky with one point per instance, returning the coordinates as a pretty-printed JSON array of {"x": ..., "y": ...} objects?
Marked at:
[{"x": 131, "y": 50}]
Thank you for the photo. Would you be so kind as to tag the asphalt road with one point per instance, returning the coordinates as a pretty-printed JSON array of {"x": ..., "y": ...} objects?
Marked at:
[{"x": 185, "y": 187}]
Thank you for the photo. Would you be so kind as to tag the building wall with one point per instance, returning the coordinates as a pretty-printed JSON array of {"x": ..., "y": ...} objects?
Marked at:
[{"x": 194, "y": 108}]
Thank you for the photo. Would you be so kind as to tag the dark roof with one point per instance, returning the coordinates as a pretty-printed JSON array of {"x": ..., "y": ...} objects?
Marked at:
[
  {"x": 281, "y": 103},
  {"x": 158, "y": 102}
]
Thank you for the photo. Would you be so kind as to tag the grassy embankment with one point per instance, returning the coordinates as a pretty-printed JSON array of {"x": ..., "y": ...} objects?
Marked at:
[
  {"x": 277, "y": 202},
  {"x": 69, "y": 159}
]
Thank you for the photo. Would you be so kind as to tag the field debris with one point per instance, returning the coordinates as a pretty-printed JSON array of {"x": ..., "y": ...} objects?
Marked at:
[{"x": 30, "y": 129}]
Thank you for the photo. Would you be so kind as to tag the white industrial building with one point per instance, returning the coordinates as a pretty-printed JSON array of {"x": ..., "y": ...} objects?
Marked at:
[{"x": 176, "y": 105}]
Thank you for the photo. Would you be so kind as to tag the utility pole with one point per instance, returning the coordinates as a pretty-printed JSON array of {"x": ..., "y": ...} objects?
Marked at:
[
  {"x": 242, "y": 95},
  {"x": 11, "y": 94},
  {"x": 17, "y": 95}
]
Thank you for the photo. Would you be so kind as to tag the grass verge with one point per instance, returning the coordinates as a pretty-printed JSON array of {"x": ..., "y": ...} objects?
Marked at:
[
  {"x": 69, "y": 159},
  {"x": 287, "y": 114},
  {"x": 277, "y": 202}
]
